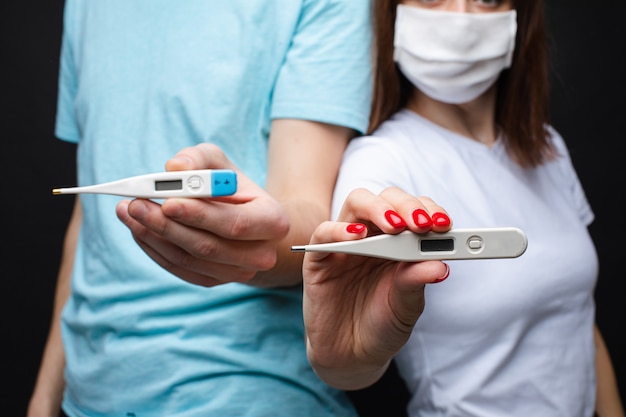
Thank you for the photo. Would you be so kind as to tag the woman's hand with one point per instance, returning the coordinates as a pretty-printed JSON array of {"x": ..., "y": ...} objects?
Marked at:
[{"x": 360, "y": 311}]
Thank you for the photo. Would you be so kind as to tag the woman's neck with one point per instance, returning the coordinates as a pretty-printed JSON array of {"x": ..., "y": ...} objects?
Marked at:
[{"x": 475, "y": 120}]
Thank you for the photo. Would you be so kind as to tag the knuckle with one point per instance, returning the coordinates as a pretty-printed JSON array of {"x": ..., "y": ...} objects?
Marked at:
[
  {"x": 203, "y": 249},
  {"x": 266, "y": 262}
]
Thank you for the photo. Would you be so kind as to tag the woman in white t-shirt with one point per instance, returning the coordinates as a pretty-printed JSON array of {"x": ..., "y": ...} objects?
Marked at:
[{"x": 460, "y": 114}]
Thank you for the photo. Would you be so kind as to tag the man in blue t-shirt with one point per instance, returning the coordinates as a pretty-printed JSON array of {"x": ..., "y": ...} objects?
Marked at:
[{"x": 273, "y": 89}]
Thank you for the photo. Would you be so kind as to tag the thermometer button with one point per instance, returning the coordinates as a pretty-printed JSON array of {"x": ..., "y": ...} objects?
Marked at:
[
  {"x": 475, "y": 243},
  {"x": 194, "y": 183}
]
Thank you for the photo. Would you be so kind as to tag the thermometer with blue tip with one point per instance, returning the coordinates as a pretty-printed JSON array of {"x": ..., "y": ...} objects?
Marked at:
[
  {"x": 479, "y": 243},
  {"x": 192, "y": 183}
]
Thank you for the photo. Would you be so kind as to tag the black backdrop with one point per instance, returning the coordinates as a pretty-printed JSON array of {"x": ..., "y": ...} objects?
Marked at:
[{"x": 588, "y": 42}]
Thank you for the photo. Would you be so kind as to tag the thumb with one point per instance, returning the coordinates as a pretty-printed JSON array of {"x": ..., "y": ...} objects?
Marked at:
[{"x": 407, "y": 296}]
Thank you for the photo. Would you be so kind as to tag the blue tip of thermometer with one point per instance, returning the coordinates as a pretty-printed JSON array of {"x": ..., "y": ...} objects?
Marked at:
[
  {"x": 480, "y": 243},
  {"x": 192, "y": 183}
]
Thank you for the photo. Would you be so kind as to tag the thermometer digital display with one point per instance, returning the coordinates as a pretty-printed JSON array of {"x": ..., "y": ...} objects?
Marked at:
[{"x": 168, "y": 185}]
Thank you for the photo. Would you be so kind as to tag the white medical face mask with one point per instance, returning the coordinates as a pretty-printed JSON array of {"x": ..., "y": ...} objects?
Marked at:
[{"x": 453, "y": 57}]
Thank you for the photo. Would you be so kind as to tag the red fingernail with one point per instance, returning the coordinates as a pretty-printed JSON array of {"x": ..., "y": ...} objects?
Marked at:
[
  {"x": 394, "y": 219},
  {"x": 441, "y": 219},
  {"x": 355, "y": 228},
  {"x": 422, "y": 219},
  {"x": 446, "y": 275}
]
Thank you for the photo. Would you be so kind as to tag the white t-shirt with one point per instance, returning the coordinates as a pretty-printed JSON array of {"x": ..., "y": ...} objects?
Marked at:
[{"x": 508, "y": 337}]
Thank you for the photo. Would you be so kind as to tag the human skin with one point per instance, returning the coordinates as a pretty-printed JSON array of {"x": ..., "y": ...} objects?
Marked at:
[
  {"x": 360, "y": 311},
  {"x": 246, "y": 237}
]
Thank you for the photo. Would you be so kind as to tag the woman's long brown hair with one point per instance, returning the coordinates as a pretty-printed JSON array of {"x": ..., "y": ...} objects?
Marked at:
[{"x": 523, "y": 90}]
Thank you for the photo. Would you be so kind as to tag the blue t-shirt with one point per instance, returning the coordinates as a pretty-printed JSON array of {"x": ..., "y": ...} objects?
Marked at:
[{"x": 140, "y": 80}]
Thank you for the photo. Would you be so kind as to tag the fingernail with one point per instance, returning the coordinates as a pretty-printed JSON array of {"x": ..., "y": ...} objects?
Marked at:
[
  {"x": 422, "y": 219},
  {"x": 446, "y": 275},
  {"x": 355, "y": 228},
  {"x": 440, "y": 219},
  {"x": 137, "y": 209},
  {"x": 394, "y": 219},
  {"x": 182, "y": 160}
]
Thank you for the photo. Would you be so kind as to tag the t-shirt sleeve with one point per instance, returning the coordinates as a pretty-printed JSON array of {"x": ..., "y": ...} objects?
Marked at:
[
  {"x": 66, "y": 127},
  {"x": 327, "y": 72},
  {"x": 362, "y": 167},
  {"x": 575, "y": 188}
]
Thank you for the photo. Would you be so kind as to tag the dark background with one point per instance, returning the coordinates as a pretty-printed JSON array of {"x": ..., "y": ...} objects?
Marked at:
[{"x": 588, "y": 42}]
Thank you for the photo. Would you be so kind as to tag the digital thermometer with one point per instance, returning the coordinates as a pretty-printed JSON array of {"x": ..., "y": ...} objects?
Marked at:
[
  {"x": 193, "y": 183},
  {"x": 407, "y": 246}
]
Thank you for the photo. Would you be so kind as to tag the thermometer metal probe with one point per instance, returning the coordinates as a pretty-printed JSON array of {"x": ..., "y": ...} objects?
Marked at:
[
  {"x": 407, "y": 246},
  {"x": 192, "y": 183}
]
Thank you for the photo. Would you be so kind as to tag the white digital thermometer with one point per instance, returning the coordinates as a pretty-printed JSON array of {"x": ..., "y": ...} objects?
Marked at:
[
  {"x": 480, "y": 243},
  {"x": 193, "y": 183}
]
